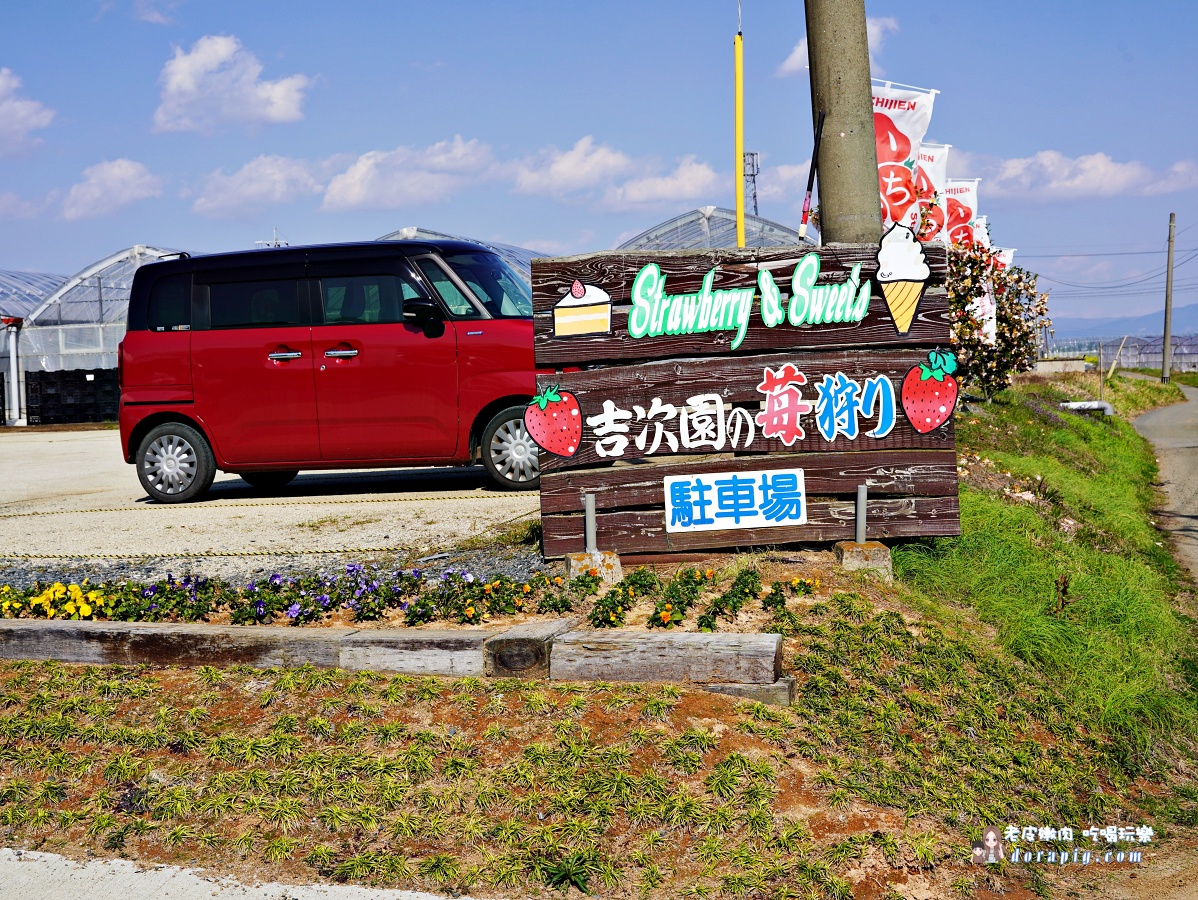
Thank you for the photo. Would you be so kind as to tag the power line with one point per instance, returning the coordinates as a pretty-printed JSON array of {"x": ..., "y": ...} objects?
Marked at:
[
  {"x": 1124, "y": 253},
  {"x": 1121, "y": 282}
]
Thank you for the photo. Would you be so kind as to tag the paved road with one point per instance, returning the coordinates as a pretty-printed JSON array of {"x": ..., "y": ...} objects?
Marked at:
[
  {"x": 71, "y": 493},
  {"x": 1173, "y": 430},
  {"x": 47, "y": 876}
]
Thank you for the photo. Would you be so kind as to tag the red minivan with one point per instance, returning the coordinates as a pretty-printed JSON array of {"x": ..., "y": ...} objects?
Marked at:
[{"x": 266, "y": 362}]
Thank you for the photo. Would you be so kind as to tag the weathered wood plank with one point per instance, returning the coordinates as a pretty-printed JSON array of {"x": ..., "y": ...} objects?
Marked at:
[
  {"x": 780, "y": 693},
  {"x": 735, "y": 381},
  {"x": 614, "y": 270},
  {"x": 416, "y": 652},
  {"x": 524, "y": 651},
  {"x": 667, "y": 656},
  {"x": 133, "y": 643},
  {"x": 643, "y": 531},
  {"x": 927, "y": 473},
  {"x": 930, "y": 328}
]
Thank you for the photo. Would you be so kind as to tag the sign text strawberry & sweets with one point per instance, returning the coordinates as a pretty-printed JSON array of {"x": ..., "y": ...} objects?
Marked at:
[{"x": 736, "y": 398}]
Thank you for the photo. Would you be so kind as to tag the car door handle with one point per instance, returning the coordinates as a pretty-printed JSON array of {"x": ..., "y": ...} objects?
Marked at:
[
  {"x": 284, "y": 354},
  {"x": 340, "y": 354}
]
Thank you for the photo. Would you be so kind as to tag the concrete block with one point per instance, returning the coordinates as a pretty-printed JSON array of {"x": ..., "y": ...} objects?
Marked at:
[
  {"x": 523, "y": 651},
  {"x": 872, "y": 557},
  {"x": 780, "y": 693},
  {"x": 605, "y": 562}
]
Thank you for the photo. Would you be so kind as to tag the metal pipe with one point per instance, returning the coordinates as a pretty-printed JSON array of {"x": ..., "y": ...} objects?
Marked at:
[
  {"x": 1091, "y": 406},
  {"x": 1167, "y": 343},
  {"x": 592, "y": 545},
  {"x": 739, "y": 140},
  {"x": 14, "y": 375},
  {"x": 862, "y": 491}
]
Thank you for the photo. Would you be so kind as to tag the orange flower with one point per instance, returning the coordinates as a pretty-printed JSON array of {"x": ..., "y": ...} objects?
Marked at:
[
  {"x": 665, "y": 616},
  {"x": 487, "y": 589},
  {"x": 519, "y": 601},
  {"x": 594, "y": 573},
  {"x": 527, "y": 589},
  {"x": 710, "y": 573},
  {"x": 470, "y": 611}
]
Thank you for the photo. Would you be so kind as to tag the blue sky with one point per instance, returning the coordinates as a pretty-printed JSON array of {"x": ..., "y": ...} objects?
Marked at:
[{"x": 571, "y": 126}]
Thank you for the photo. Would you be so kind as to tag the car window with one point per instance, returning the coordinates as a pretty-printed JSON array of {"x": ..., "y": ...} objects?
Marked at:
[
  {"x": 365, "y": 299},
  {"x": 169, "y": 308},
  {"x": 500, "y": 289},
  {"x": 457, "y": 302},
  {"x": 254, "y": 304}
]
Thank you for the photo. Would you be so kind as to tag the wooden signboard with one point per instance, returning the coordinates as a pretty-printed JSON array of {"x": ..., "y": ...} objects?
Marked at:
[{"x": 737, "y": 398}]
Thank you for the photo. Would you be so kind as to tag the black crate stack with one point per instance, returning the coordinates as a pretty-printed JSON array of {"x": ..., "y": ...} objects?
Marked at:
[{"x": 78, "y": 395}]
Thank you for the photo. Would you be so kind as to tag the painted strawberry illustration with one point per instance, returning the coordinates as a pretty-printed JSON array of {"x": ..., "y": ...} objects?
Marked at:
[
  {"x": 554, "y": 421},
  {"x": 930, "y": 392}
]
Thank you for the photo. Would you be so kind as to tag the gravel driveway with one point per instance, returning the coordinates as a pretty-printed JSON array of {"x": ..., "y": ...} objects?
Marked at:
[{"x": 67, "y": 495}]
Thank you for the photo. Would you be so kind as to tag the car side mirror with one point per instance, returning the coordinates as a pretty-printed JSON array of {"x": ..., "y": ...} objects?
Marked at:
[{"x": 420, "y": 311}]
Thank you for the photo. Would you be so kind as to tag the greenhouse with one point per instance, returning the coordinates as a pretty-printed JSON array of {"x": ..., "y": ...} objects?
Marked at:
[
  {"x": 519, "y": 258},
  {"x": 64, "y": 324},
  {"x": 713, "y": 226}
]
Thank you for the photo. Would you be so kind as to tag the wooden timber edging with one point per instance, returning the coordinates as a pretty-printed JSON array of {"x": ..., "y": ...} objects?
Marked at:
[{"x": 740, "y": 664}]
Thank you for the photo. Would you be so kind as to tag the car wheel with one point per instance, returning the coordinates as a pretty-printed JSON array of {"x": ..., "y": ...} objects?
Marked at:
[
  {"x": 268, "y": 481},
  {"x": 175, "y": 463},
  {"x": 509, "y": 452}
]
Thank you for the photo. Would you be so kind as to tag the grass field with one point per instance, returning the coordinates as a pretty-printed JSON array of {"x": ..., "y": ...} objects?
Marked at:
[{"x": 1060, "y": 555}]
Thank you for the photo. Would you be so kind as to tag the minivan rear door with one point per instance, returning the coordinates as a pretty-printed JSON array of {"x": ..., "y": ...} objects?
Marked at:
[
  {"x": 253, "y": 366},
  {"x": 386, "y": 388}
]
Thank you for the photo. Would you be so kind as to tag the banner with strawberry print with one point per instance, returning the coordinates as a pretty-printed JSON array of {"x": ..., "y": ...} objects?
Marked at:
[
  {"x": 931, "y": 178},
  {"x": 733, "y": 398},
  {"x": 902, "y": 115},
  {"x": 961, "y": 210}
]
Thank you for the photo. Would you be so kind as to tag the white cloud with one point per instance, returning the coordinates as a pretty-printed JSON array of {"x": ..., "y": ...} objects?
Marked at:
[
  {"x": 783, "y": 182},
  {"x": 797, "y": 61},
  {"x": 219, "y": 81},
  {"x": 264, "y": 181},
  {"x": 14, "y": 207},
  {"x": 1051, "y": 175},
  {"x": 584, "y": 165},
  {"x": 151, "y": 10},
  {"x": 876, "y": 30},
  {"x": 405, "y": 176},
  {"x": 108, "y": 186},
  {"x": 690, "y": 180},
  {"x": 19, "y": 116}
]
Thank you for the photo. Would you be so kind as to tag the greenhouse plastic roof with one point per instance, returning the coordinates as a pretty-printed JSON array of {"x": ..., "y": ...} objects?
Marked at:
[
  {"x": 520, "y": 258},
  {"x": 23, "y": 292},
  {"x": 712, "y": 226},
  {"x": 99, "y": 293}
]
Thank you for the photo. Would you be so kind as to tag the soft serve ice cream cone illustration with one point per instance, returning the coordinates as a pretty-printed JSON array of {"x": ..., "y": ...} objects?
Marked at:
[{"x": 903, "y": 273}]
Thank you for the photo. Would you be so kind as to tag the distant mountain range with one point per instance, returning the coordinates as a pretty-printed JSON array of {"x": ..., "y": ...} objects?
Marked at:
[{"x": 1185, "y": 321}]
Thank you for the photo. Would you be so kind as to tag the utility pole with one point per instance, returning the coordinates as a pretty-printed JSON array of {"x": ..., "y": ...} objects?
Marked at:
[
  {"x": 738, "y": 112},
  {"x": 838, "y": 53},
  {"x": 1167, "y": 346}
]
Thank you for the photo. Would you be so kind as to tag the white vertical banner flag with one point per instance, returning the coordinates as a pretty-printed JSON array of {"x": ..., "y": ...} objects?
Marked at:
[
  {"x": 986, "y": 307},
  {"x": 981, "y": 231},
  {"x": 931, "y": 176},
  {"x": 902, "y": 115},
  {"x": 961, "y": 209}
]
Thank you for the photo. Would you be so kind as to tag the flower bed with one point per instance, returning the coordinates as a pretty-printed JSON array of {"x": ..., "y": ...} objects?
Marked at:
[{"x": 405, "y": 597}]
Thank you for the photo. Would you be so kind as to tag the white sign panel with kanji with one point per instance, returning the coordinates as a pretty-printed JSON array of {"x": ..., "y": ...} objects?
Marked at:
[{"x": 741, "y": 500}]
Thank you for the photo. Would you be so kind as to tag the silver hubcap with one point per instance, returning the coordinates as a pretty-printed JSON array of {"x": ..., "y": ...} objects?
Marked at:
[
  {"x": 170, "y": 464},
  {"x": 514, "y": 453}
]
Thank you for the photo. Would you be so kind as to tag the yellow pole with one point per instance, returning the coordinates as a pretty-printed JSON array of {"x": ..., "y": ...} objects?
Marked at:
[{"x": 739, "y": 168}]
